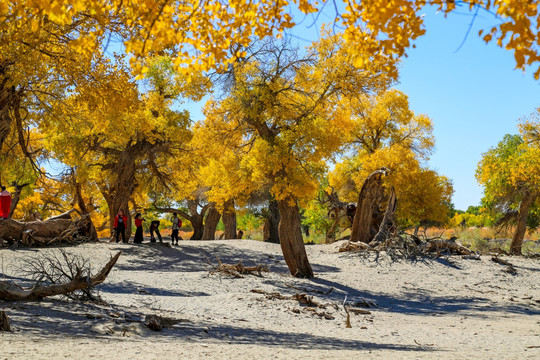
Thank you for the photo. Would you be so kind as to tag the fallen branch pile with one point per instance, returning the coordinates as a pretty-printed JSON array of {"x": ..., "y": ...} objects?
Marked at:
[
  {"x": 13, "y": 292},
  {"x": 238, "y": 270},
  {"x": 53, "y": 231},
  {"x": 509, "y": 266},
  {"x": 310, "y": 305},
  {"x": 403, "y": 245}
]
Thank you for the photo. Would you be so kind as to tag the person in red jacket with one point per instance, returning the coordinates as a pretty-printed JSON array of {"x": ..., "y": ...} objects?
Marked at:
[
  {"x": 139, "y": 232},
  {"x": 5, "y": 203},
  {"x": 120, "y": 224}
]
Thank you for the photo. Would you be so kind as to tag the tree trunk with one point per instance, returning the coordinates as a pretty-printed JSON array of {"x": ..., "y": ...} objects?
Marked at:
[
  {"x": 16, "y": 196},
  {"x": 271, "y": 224},
  {"x": 368, "y": 200},
  {"x": 387, "y": 224},
  {"x": 196, "y": 220},
  {"x": 210, "y": 225},
  {"x": 7, "y": 95},
  {"x": 517, "y": 240},
  {"x": 229, "y": 219},
  {"x": 290, "y": 236}
]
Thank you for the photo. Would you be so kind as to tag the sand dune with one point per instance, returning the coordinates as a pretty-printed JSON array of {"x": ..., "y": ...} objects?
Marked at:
[{"x": 451, "y": 308}]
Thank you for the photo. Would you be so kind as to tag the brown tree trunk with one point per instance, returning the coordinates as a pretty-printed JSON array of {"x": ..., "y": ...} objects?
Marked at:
[
  {"x": 210, "y": 225},
  {"x": 387, "y": 224},
  {"x": 271, "y": 224},
  {"x": 368, "y": 200},
  {"x": 196, "y": 220},
  {"x": 229, "y": 219},
  {"x": 7, "y": 94},
  {"x": 291, "y": 240},
  {"x": 517, "y": 240},
  {"x": 16, "y": 196}
]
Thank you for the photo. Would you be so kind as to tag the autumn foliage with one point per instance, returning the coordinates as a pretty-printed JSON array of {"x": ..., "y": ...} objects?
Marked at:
[{"x": 94, "y": 89}]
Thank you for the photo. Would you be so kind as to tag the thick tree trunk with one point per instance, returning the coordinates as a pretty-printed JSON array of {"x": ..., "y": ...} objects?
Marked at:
[
  {"x": 517, "y": 240},
  {"x": 387, "y": 223},
  {"x": 290, "y": 236},
  {"x": 210, "y": 225},
  {"x": 7, "y": 95},
  {"x": 368, "y": 201},
  {"x": 271, "y": 223},
  {"x": 229, "y": 219},
  {"x": 196, "y": 220}
]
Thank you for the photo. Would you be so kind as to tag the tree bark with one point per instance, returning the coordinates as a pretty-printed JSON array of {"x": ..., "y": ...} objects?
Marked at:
[
  {"x": 7, "y": 96},
  {"x": 55, "y": 230},
  {"x": 271, "y": 223},
  {"x": 291, "y": 240},
  {"x": 368, "y": 201},
  {"x": 229, "y": 219},
  {"x": 517, "y": 240},
  {"x": 387, "y": 223},
  {"x": 12, "y": 292},
  {"x": 196, "y": 220},
  {"x": 210, "y": 225}
]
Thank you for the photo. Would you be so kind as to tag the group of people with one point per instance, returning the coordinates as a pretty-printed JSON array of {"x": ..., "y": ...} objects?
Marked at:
[{"x": 121, "y": 222}]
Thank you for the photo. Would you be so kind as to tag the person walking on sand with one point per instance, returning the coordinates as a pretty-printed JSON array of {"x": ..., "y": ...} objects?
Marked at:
[
  {"x": 120, "y": 223},
  {"x": 139, "y": 232},
  {"x": 176, "y": 225},
  {"x": 5, "y": 203}
]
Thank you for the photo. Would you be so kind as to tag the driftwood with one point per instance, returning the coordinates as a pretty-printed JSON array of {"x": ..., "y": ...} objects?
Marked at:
[
  {"x": 310, "y": 306},
  {"x": 13, "y": 292},
  {"x": 56, "y": 230},
  {"x": 237, "y": 270},
  {"x": 509, "y": 266},
  {"x": 403, "y": 246},
  {"x": 4, "y": 322},
  {"x": 452, "y": 246}
]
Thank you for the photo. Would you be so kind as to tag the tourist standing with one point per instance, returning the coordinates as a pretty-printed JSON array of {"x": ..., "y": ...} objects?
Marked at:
[
  {"x": 5, "y": 203},
  {"x": 120, "y": 223},
  {"x": 176, "y": 225},
  {"x": 139, "y": 232}
]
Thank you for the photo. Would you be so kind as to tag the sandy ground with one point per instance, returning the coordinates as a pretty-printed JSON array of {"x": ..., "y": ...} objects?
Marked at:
[{"x": 449, "y": 308}]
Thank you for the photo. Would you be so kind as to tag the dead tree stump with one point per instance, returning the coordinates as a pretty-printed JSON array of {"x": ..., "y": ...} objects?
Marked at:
[{"x": 4, "y": 321}]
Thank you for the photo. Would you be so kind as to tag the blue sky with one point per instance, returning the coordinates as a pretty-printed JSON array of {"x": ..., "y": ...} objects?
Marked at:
[{"x": 473, "y": 95}]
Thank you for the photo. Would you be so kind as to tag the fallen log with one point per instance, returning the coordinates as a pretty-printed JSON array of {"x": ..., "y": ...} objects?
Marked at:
[
  {"x": 56, "y": 230},
  {"x": 13, "y": 292},
  {"x": 438, "y": 245},
  {"x": 238, "y": 270},
  {"x": 350, "y": 246},
  {"x": 4, "y": 322}
]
